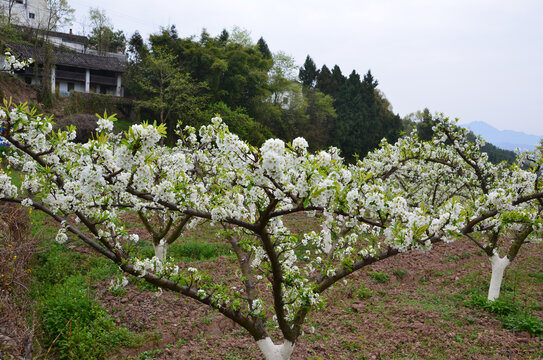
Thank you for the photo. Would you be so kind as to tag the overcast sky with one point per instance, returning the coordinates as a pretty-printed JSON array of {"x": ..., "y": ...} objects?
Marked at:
[{"x": 478, "y": 60}]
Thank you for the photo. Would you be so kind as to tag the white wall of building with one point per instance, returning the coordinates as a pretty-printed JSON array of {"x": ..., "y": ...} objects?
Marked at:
[
  {"x": 31, "y": 13},
  {"x": 58, "y": 42}
]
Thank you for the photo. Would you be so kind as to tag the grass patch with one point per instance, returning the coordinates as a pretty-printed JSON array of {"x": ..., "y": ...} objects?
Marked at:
[
  {"x": 511, "y": 314},
  {"x": 191, "y": 250},
  {"x": 379, "y": 277},
  {"x": 399, "y": 273},
  {"x": 363, "y": 292},
  {"x": 501, "y": 306},
  {"x": 523, "y": 321},
  {"x": 537, "y": 276},
  {"x": 75, "y": 326},
  {"x": 197, "y": 250}
]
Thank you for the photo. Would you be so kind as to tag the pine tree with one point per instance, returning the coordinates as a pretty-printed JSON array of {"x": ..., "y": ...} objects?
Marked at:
[
  {"x": 323, "y": 79},
  {"x": 308, "y": 73},
  {"x": 223, "y": 37},
  {"x": 263, "y": 48}
]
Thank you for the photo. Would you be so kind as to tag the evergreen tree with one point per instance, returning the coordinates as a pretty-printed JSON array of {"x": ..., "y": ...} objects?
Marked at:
[
  {"x": 323, "y": 80},
  {"x": 263, "y": 48},
  {"x": 308, "y": 73},
  {"x": 223, "y": 37},
  {"x": 337, "y": 81}
]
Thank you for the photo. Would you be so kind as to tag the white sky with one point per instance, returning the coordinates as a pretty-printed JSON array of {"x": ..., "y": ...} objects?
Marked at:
[{"x": 478, "y": 60}]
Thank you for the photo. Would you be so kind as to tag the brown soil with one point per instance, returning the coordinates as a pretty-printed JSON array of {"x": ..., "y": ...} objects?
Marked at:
[
  {"x": 16, "y": 89},
  {"x": 16, "y": 254},
  {"x": 412, "y": 317}
]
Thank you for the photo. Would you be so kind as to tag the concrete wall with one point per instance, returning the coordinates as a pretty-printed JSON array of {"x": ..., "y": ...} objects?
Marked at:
[{"x": 20, "y": 13}]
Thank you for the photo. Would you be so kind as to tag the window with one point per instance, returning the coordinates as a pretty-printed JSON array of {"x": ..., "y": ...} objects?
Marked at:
[
  {"x": 70, "y": 86},
  {"x": 19, "y": 1},
  {"x": 31, "y": 15}
]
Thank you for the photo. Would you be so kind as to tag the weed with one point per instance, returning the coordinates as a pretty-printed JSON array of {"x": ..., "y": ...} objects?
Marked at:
[
  {"x": 180, "y": 343},
  {"x": 399, "y": 273},
  {"x": 424, "y": 279},
  {"x": 500, "y": 306},
  {"x": 149, "y": 354},
  {"x": 143, "y": 285},
  {"x": 511, "y": 314},
  {"x": 351, "y": 345},
  {"x": 363, "y": 292},
  {"x": 379, "y": 277},
  {"x": 523, "y": 321},
  {"x": 537, "y": 276}
]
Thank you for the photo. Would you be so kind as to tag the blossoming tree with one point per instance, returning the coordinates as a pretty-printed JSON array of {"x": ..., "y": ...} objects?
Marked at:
[
  {"x": 498, "y": 201},
  {"x": 213, "y": 175}
]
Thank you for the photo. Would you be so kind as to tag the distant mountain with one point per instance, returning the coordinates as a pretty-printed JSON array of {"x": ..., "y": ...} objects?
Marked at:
[{"x": 505, "y": 139}]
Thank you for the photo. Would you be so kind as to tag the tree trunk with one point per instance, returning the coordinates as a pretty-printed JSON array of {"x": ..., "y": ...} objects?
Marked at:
[
  {"x": 275, "y": 352},
  {"x": 498, "y": 267},
  {"x": 161, "y": 250}
]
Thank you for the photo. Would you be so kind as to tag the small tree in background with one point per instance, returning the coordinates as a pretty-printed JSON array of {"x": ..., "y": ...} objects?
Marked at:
[{"x": 102, "y": 37}]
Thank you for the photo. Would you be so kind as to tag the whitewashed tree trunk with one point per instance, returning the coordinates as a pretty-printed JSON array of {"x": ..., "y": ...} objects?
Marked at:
[
  {"x": 498, "y": 267},
  {"x": 275, "y": 352},
  {"x": 161, "y": 250}
]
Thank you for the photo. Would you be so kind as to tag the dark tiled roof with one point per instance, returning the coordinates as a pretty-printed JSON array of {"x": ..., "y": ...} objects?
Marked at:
[
  {"x": 64, "y": 36},
  {"x": 69, "y": 58},
  {"x": 69, "y": 37}
]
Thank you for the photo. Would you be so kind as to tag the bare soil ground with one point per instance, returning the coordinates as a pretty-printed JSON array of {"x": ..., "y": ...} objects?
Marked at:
[
  {"x": 422, "y": 315},
  {"x": 17, "y": 315},
  {"x": 16, "y": 89}
]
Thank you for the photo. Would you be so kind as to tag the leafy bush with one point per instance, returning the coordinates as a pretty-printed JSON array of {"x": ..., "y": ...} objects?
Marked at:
[{"x": 86, "y": 125}]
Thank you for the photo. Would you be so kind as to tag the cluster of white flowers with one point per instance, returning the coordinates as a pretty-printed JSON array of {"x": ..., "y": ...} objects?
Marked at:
[
  {"x": 118, "y": 283},
  {"x": 12, "y": 63},
  {"x": 104, "y": 125},
  {"x": 61, "y": 237}
]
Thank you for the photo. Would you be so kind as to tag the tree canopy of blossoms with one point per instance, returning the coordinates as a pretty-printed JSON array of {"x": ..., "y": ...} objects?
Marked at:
[
  {"x": 401, "y": 197},
  {"x": 501, "y": 204}
]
